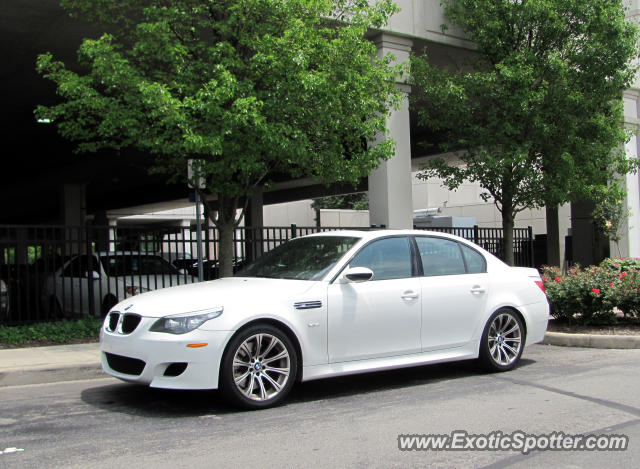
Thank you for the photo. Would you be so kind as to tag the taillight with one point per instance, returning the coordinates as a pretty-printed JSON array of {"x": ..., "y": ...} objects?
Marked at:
[{"x": 540, "y": 283}]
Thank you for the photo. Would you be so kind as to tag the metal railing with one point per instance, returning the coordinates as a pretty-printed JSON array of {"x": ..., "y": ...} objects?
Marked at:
[{"x": 51, "y": 272}]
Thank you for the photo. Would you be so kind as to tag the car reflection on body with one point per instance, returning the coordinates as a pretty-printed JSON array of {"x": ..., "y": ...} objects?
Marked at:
[{"x": 325, "y": 305}]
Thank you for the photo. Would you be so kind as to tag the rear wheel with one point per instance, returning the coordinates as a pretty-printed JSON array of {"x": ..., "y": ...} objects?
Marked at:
[
  {"x": 258, "y": 368},
  {"x": 502, "y": 341}
]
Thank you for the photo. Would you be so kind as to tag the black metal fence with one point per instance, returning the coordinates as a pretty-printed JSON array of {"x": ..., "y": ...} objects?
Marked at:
[{"x": 51, "y": 272}]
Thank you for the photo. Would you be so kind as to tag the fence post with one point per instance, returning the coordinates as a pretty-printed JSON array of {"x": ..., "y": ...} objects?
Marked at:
[
  {"x": 90, "y": 270},
  {"x": 294, "y": 233},
  {"x": 476, "y": 235}
]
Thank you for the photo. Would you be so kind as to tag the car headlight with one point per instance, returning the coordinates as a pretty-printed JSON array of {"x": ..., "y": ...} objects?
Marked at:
[{"x": 185, "y": 322}]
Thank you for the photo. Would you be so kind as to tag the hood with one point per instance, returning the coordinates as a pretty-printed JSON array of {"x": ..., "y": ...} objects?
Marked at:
[{"x": 231, "y": 293}]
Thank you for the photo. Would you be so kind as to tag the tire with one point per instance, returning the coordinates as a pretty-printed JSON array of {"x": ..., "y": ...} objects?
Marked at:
[
  {"x": 258, "y": 368},
  {"x": 108, "y": 302},
  {"x": 502, "y": 341}
]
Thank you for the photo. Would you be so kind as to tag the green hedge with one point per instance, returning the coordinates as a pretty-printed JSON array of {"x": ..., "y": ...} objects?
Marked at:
[
  {"x": 591, "y": 295},
  {"x": 51, "y": 332}
]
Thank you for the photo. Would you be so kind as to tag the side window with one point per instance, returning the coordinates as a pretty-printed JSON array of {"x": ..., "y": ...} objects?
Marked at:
[
  {"x": 79, "y": 267},
  {"x": 476, "y": 264},
  {"x": 389, "y": 258},
  {"x": 440, "y": 256},
  {"x": 76, "y": 268}
]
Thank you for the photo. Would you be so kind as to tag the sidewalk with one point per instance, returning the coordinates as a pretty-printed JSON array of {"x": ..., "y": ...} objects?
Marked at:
[{"x": 36, "y": 365}]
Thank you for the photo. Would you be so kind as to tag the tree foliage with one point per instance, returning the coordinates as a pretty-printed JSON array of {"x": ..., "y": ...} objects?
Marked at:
[
  {"x": 356, "y": 201},
  {"x": 537, "y": 116},
  {"x": 249, "y": 89}
]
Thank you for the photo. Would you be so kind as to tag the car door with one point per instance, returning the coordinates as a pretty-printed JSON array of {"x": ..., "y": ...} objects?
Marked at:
[
  {"x": 379, "y": 317},
  {"x": 454, "y": 288},
  {"x": 74, "y": 282}
]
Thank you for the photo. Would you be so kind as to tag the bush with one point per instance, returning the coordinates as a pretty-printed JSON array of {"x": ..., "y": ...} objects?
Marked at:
[
  {"x": 591, "y": 295},
  {"x": 51, "y": 332}
]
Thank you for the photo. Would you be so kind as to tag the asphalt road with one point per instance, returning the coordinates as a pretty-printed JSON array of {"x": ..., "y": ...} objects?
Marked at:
[{"x": 344, "y": 422}]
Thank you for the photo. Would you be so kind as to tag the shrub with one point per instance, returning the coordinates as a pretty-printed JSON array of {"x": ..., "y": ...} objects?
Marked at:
[
  {"x": 51, "y": 332},
  {"x": 592, "y": 294}
]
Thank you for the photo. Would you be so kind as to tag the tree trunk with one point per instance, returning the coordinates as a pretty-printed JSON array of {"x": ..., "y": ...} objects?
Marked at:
[
  {"x": 507, "y": 228},
  {"x": 226, "y": 224}
]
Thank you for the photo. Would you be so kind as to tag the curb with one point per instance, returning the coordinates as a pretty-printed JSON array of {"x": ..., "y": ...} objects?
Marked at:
[
  {"x": 51, "y": 375},
  {"x": 592, "y": 340}
]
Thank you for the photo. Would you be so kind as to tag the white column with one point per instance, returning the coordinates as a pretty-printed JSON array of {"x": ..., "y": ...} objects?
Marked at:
[
  {"x": 629, "y": 245},
  {"x": 113, "y": 224},
  {"x": 390, "y": 198}
]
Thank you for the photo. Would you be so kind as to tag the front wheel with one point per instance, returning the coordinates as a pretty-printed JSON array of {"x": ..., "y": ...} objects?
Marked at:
[
  {"x": 258, "y": 368},
  {"x": 502, "y": 341}
]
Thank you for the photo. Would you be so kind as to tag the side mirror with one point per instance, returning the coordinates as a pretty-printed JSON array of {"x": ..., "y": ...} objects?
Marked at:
[{"x": 357, "y": 275}]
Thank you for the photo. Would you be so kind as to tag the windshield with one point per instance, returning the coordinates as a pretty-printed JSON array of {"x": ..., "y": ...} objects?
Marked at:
[
  {"x": 134, "y": 264},
  {"x": 302, "y": 258}
]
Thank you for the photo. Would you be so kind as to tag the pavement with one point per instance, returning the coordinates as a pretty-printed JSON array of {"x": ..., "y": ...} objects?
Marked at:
[{"x": 37, "y": 365}]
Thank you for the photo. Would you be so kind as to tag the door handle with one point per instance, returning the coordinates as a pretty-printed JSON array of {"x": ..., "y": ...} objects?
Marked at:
[
  {"x": 477, "y": 289},
  {"x": 409, "y": 295}
]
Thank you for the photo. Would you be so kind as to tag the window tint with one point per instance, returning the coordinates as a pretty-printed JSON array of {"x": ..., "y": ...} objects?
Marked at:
[
  {"x": 389, "y": 258},
  {"x": 476, "y": 263},
  {"x": 440, "y": 256}
]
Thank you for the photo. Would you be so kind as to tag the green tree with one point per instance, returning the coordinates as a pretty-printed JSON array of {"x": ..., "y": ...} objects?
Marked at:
[
  {"x": 251, "y": 90},
  {"x": 355, "y": 201},
  {"x": 536, "y": 115}
]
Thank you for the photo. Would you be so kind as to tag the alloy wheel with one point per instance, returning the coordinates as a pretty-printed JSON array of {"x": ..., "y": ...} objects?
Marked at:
[
  {"x": 261, "y": 367},
  {"x": 504, "y": 339}
]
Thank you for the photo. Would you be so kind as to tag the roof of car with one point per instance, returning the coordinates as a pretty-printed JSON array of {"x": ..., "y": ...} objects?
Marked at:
[
  {"x": 126, "y": 253},
  {"x": 376, "y": 233}
]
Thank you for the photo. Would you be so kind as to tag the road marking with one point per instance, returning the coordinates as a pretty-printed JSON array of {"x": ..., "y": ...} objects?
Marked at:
[{"x": 12, "y": 449}]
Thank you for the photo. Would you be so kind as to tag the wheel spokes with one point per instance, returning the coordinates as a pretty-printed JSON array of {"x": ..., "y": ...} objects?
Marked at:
[
  {"x": 504, "y": 339},
  {"x": 253, "y": 374}
]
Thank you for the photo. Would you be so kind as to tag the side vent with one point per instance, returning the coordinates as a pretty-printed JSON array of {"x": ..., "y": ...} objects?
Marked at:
[{"x": 308, "y": 304}]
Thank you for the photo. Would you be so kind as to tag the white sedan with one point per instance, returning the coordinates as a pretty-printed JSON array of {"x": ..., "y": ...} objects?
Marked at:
[
  {"x": 96, "y": 282},
  {"x": 325, "y": 305}
]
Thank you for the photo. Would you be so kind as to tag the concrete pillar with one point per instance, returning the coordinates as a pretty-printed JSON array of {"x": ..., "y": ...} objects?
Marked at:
[
  {"x": 390, "y": 186},
  {"x": 589, "y": 246},
  {"x": 73, "y": 218},
  {"x": 73, "y": 204},
  {"x": 254, "y": 219},
  {"x": 113, "y": 224},
  {"x": 558, "y": 224},
  {"x": 629, "y": 244},
  {"x": 254, "y": 216}
]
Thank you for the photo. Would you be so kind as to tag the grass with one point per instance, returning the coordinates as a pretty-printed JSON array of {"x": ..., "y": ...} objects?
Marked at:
[{"x": 51, "y": 333}]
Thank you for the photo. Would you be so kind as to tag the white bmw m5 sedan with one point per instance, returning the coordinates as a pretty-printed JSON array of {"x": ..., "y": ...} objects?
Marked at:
[{"x": 325, "y": 305}]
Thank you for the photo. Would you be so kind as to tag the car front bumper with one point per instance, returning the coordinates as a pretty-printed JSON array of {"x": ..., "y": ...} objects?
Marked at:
[{"x": 164, "y": 360}]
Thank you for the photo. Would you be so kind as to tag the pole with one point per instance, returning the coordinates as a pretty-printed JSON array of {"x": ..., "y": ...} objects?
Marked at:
[{"x": 199, "y": 235}]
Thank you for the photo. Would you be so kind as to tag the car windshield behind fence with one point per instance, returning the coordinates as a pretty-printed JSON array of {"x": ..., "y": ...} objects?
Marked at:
[
  {"x": 132, "y": 264},
  {"x": 302, "y": 259}
]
